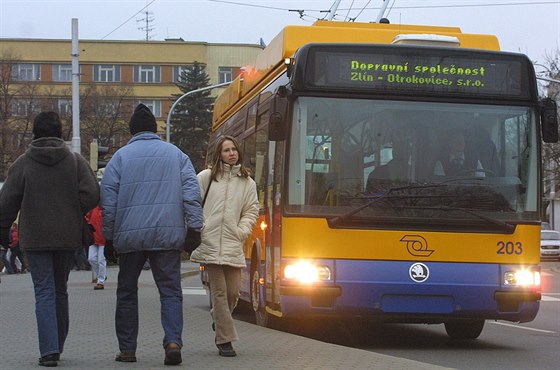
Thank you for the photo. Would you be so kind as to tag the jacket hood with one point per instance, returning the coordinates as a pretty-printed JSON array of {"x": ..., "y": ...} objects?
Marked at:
[{"x": 48, "y": 150}]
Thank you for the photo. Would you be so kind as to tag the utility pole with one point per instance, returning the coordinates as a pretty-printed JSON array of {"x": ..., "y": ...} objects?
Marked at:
[
  {"x": 76, "y": 142},
  {"x": 148, "y": 19}
]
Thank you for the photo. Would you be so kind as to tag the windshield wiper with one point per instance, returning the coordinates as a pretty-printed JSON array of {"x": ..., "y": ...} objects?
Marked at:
[
  {"x": 507, "y": 227},
  {"x": 334, "y": 221}
]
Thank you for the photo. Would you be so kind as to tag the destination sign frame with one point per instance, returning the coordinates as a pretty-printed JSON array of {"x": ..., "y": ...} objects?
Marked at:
[{"x": 433, "y": 71}]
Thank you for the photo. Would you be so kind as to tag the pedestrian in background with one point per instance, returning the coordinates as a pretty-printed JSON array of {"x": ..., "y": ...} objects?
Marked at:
[
  {"x": 4, "y": 249},
  {"x": 231, "y": 209},
  {"x": 96, "y": 256},
  {"x": 47, "y": 185},
  {"x": 148, "y": 189},
  {"x": 16, "y": 251}
]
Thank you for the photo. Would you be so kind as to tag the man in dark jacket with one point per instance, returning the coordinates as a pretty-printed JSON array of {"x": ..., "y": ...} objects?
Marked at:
[
  {"x": 46, "y": 185},
  {"x": 149, "y": 189}
]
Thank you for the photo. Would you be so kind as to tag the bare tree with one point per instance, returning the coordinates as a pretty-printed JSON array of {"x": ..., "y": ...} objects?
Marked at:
[
  {"x": 551, "y": 151},
  {"x": 18, "y": 100},
  {"x": 103, "y": 114}
]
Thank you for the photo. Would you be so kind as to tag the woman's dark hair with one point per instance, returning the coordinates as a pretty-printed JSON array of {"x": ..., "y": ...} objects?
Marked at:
[
  {"x": 47, "y": 124},
  {"x": 217, "y": 164}
]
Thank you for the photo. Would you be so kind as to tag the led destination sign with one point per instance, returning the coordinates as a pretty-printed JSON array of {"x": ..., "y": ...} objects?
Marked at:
[{"x": 433, "y": 74}]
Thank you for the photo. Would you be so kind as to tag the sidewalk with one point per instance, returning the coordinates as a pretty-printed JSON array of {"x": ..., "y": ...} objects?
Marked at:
[{"x": 92, "y": 344}]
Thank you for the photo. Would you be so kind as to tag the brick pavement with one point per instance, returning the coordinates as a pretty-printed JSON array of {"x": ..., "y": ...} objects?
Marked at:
[{"x": 92, "y": 343}]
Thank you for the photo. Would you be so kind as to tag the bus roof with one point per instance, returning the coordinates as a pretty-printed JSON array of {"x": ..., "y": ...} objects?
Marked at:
[{"x": 291, "y": 38}]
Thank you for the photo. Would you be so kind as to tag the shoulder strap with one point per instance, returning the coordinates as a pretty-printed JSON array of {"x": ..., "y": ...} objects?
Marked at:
[{"x": 207, "y": 190}]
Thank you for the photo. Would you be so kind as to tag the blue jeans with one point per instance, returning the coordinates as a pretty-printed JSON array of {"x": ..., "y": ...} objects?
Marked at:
[
  {"x": 49, "y": 272},
  {"x": 166, "y": 270}
]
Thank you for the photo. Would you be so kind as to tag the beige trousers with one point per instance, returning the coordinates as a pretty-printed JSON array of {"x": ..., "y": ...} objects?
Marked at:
[{"x": 225, "y": 282}]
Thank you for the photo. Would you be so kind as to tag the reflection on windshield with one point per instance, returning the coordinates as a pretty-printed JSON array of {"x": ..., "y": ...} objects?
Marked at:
[{"x": 346, "y": 152}]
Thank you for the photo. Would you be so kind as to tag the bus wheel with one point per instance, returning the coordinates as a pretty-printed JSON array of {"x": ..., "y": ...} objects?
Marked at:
[
  {"x": 262, "y": 318},
  {"x": 464, "y": 329}
]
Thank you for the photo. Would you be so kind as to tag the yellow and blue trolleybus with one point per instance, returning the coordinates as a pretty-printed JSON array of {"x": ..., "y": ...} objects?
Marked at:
[{"x": 349, "y": 129}]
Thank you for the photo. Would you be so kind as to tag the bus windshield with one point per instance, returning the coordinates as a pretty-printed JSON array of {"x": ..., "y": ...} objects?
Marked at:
[{"x": 423, "y": 160}]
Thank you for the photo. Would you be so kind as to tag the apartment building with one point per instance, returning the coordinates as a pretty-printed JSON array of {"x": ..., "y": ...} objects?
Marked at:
[{"x": 149, "y": 68}]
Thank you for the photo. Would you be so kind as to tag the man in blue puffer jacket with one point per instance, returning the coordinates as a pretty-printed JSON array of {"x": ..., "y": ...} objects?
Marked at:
[{"x": 149, "y": 189}]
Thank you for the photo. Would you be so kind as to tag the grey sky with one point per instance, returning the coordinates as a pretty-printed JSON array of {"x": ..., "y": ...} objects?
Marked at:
[{"x": 528, "y": 26}]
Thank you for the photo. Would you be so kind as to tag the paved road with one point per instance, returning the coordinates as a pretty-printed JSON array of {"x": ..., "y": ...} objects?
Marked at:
[{"x": 92, "y": 343}]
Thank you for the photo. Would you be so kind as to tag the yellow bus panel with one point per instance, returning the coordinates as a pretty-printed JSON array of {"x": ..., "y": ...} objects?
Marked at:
[{"x": 312, "y": 238}]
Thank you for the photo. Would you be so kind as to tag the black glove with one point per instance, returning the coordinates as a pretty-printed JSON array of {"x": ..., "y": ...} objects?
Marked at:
[
  {"x": 109, "y": 252},
  {"x": 192, "y": 241}
]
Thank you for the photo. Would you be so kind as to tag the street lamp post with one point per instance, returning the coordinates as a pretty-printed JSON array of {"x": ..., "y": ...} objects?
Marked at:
[{"x": 168, "y": 121}]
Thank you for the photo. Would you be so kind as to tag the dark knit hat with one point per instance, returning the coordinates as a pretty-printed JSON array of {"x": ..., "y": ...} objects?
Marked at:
[
  {"x": 47, "y": 124},
  {"x": 142, "y": 120}
]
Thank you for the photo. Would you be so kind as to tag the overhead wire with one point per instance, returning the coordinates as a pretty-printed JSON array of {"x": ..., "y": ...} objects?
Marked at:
[
  {"x": 125, "y": 22},
  {"x": 348, "y": 13},
  {"x": 360, "y": 12},
  {"x": 390, "y": 8},
  {"x": 398, "y": 7}
]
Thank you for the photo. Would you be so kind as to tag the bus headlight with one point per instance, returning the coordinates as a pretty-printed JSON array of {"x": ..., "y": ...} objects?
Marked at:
[
  {"x": 522, "y": 278},
  {"x": 307, "y": 273}
]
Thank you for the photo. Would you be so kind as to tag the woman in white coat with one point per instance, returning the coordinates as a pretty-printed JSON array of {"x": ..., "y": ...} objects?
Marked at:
[{"x": 230, "y": 211}]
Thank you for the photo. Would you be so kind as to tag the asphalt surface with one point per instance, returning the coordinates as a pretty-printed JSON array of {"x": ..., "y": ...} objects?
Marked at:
[{"x": 92, "y": 344}]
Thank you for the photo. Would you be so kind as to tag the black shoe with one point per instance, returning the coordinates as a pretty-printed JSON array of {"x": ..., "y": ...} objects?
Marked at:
[
  {"x": 126, "y": 357},
  {"x": 49, "y": 360},
  {"x": 172, "y": 354},
  {"x": 226, "y": 350}
]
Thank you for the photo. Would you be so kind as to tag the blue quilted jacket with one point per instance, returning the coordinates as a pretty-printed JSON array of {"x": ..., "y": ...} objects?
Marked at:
[{"x": 149, "y": 189}]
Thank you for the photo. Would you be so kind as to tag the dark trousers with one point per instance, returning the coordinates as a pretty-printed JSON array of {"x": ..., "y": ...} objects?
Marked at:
[
  {"x": 166, "y": 270},
  {"x": 16, "y": 252}
]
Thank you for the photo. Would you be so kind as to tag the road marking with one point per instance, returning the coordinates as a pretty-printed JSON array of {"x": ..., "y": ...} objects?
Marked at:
[
  {"x": 522, "y": 327},
  {"x": 194, "y": 291}
]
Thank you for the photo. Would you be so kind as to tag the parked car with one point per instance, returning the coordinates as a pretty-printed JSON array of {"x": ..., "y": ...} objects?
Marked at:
[{"x": 550, "y": 244}]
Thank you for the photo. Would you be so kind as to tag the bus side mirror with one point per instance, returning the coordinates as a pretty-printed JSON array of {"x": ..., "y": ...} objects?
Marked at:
[
  {"x": 549, "y": 120},
  {"x": 278, "y": 120}
]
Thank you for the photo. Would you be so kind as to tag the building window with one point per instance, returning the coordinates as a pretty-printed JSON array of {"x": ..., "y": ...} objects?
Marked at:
[
  {"x": 64, "y": 107},
  {"x": 147, "y": 74},
  {"x": 106, "y": 73},
  {"x": 225, "y": 74},
  {"x": 26, "y": 72},
  {"x": 23, "y": 107},
  {"x": 154, "y": 105},
  {"x": 62, "y": 72},
  {"x": 178, "y": 71}
]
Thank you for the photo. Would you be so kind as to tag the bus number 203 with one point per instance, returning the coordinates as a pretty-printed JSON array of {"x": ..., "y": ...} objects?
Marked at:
[{"x": 509, "y": 248}]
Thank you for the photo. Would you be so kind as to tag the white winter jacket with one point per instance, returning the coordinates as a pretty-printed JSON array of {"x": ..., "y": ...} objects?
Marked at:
[{"x": 230, "y": 212}]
